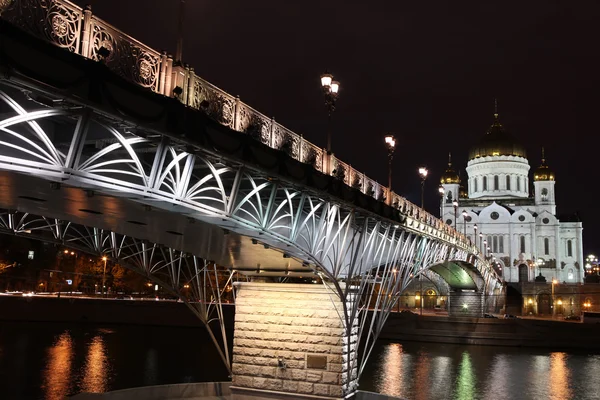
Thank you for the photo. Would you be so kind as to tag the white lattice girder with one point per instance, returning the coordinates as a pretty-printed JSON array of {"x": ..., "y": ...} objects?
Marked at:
[{"x": 95, "y": 153}]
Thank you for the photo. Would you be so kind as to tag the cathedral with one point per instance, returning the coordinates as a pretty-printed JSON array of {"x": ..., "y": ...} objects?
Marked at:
[{"x": 520, "y": 232}]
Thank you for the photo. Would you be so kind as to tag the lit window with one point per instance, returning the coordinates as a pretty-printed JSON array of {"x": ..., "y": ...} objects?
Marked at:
[
  {"x": 30, "y": 255},
  {"x": 570, "y": 275}
]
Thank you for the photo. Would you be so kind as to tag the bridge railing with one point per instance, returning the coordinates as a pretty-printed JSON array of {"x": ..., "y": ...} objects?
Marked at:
[{"x": 78, "y": 30}]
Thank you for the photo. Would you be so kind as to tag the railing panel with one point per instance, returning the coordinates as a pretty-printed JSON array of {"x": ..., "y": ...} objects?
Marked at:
[
  {"x": 127, "y": 57},
  {"x": 253, "y": 123},
  {"x": 215, "y": 102},
  {"x": 285, "y": 140},
  {"x": 59, "y": 22},
  {"x": 312, "y": 154}
]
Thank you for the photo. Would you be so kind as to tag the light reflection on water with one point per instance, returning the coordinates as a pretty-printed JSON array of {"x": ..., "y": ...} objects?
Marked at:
[
  {"x": 58, "y": 369},
  {"x": 429, "y": 371},
  {"x": 96, "y": 370}
]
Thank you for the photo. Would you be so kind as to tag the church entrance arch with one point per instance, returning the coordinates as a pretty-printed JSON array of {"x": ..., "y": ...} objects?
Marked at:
[
  {"x": 544, "y": 304},
  {"x": 523, "y": 273}
]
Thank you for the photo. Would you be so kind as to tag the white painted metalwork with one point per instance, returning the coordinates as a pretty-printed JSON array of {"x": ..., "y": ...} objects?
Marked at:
[
  {"x": 367, "y": 260},
  {"x": 167, "y": 267},
  {"x": 71, "y": 27}
]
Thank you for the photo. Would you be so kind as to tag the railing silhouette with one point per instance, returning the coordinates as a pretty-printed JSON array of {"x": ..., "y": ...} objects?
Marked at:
[{"x": 77, "y": 30}]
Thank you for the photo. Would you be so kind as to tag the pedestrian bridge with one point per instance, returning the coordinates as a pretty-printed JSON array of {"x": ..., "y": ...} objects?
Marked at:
[{"x": 108, "y": 147}]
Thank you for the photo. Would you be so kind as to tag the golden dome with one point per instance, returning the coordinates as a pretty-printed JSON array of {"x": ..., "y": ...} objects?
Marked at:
[
  {"x": 450, "y": 176},
  {"x": 543, "y": 173},
  {"x": 497, "y": 142}
]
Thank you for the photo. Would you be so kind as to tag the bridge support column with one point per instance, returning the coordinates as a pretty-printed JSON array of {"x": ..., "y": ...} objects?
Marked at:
[
  {"x": 465, "y": 304},
  {"x": 290, "y": 343}
]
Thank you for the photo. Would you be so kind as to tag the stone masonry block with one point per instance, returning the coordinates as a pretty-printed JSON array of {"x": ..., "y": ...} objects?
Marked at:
[
  {"x": 321, "y": 390},
  {"x": 305, "y": 387},
  {"x": 314, "y": 376},
  {"x": 331, "y": 378},
  {"x": 290, "y": 386}
]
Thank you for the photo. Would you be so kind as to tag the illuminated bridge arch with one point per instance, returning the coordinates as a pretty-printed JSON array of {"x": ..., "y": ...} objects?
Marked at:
[{"x": 260, "y": 211}]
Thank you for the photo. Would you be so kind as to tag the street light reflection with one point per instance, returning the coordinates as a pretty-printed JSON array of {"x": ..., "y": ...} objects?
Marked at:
[
  {"x": 559, "y": 377},
  {"x": 466, "y": 378},
  {"x": 394, "y": 370},
  {"x": 96, "y": 367},
  {"x": 58, "y": 372}
]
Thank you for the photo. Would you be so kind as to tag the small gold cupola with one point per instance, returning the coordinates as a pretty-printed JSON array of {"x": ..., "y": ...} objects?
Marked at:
[{"x": 450, "y": 176}]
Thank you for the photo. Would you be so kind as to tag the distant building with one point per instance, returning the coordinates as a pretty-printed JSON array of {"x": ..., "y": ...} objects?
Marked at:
[{"x": 525, "y": 236}]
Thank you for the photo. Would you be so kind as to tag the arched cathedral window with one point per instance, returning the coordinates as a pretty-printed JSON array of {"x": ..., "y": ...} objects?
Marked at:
[
  {"x": 518, "y": 184},
  {"x": 546, "y": 246},
  {"x": 485, "y": 183},
  {"x": 449, "y": 198},
  {"x": 475, "y": 184},
  {"x": 507, "y": 182},
  {"x": 522, "y": 244},
  {"x": 569, "y": 248},
  {"x": 496, "y": 182}
]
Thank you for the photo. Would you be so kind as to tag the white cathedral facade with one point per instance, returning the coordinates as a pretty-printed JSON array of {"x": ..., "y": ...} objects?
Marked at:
[{"x": 525, "y": 237}]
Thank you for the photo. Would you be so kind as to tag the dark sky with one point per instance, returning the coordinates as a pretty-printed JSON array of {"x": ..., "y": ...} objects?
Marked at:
[{"x": 427, "y": 71}]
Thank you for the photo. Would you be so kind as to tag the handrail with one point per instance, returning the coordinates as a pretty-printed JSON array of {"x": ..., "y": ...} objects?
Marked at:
[{"x": 75, "y": 29}]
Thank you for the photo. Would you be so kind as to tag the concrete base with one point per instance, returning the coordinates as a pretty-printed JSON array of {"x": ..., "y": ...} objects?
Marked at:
[{"x": 290, "y": 341}]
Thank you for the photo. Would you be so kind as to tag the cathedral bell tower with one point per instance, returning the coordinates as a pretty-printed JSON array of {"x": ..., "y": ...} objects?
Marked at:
[
  {"x": 450, "y": 184},
  {"x": 543, "y": 182}
]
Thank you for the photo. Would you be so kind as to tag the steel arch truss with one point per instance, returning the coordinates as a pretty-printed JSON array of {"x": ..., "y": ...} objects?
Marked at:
[{"x": 200, "y": 284}]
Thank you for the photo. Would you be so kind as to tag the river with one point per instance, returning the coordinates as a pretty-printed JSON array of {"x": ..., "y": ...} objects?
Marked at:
[{"x": 51, "y": 361}]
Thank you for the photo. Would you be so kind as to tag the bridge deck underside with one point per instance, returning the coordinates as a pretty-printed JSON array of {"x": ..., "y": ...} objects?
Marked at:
[
  {"x": 457, "y": 275},
  {"x": 175, "y": 230}
]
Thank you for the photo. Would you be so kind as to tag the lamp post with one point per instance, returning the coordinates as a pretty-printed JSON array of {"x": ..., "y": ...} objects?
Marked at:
[
  {"x": 554, "y": 282},
  {"x": 390, "y": 143},
  {"x": 423, "y": 175},
  {"x": 465, "y": 214},
  {"x": 455, "y": 205},
  {"x": 481, "y": 242},
  {"x": 104, "y": 274},
  {"x": 475, "y": 235},
  {"x": 442, "y": 193},
  {"x": 330, "y": 90}
]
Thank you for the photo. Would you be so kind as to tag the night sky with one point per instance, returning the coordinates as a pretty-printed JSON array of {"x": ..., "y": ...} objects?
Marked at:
[{"x": 426, "y": 71}]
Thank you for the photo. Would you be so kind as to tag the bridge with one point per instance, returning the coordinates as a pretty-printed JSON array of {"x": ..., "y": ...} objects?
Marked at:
[{"x": 111, "y": 147}]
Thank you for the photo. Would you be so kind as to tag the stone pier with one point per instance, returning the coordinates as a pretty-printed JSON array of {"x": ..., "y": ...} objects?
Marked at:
[{"x": 290, "y": 343}]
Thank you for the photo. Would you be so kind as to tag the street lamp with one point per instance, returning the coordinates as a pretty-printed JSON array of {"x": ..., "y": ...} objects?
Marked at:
[
  {"x": 423, "y": 174},
  {"x": 455, "y": 205},
  {"x": 390, "y": 142},
  {"x": 104, "y": 274},
  {"x": 465, "y": 214},
  {"x": 475, "y": 234},
  {"x": 554, "y": 282},
  {"x": 442, "y": 193},
  {"x": 330, "y": 90},
  {"x": 481, "y": 242}
]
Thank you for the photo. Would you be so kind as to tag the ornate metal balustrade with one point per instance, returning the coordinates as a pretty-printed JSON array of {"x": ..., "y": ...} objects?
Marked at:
[{"x": 78, "y": 30}]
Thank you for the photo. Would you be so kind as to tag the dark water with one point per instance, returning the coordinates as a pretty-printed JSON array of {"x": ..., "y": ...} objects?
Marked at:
[
  {"x": 51, "y": 361},
  {"x": 436, "y": 371}
]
